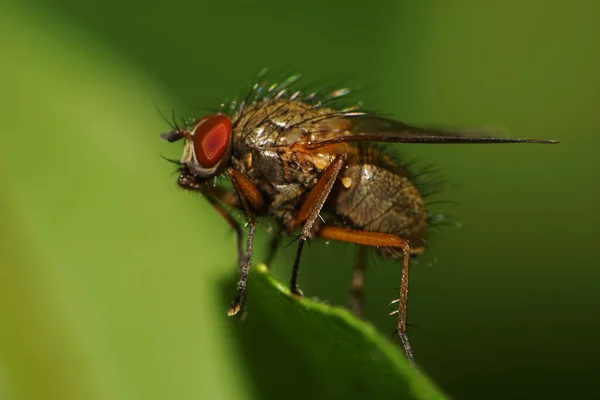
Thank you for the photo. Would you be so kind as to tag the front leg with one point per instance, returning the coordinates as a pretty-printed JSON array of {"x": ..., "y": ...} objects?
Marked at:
[
  {"x": 248, "y": 195},
  {"x": 216, "y": 197}
]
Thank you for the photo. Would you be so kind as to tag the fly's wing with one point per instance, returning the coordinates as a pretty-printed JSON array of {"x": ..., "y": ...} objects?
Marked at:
[{"x": 373, "y": 128}]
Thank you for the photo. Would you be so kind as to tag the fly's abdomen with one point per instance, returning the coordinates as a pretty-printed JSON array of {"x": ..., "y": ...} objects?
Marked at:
[{"x": 373, "y": 194}]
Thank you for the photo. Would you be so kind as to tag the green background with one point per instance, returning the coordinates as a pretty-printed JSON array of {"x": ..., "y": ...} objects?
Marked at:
[{"x": 113, "y": 283}]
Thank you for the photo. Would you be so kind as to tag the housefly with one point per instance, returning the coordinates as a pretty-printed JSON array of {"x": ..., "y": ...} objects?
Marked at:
[{"x": 312, "y": 165}]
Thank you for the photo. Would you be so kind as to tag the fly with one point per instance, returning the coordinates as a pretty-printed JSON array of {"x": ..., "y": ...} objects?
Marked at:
[{"x": 295, "y": 155}]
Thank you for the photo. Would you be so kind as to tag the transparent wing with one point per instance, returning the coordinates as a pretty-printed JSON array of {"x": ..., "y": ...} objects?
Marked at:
[{"x": 374, "y": 128}]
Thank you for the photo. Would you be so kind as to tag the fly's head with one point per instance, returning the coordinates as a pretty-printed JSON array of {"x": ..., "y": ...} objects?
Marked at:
[{"x": 207, "y": 147}]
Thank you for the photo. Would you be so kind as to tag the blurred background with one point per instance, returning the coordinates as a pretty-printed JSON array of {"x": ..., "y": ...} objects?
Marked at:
[{"x": 113, "y": 283}]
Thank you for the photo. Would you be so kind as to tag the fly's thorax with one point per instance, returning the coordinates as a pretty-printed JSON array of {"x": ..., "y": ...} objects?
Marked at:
[
  {"x": 373, "y": 194},
  {"x": 283, "y": 122},
  {"x": 276, "y": 132}
]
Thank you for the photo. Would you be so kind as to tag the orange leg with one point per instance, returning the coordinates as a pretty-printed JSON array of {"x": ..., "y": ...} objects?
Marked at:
[
  {"x": 386, "y": 240},
  {"x": 309, "y": 212},
  {"x": 248, "y": 195},
  {"x": 246, "y": 189}
]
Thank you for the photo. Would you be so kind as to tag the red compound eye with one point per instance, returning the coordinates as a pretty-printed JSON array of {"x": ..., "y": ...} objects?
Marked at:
[{"x": 211, "y": 139}]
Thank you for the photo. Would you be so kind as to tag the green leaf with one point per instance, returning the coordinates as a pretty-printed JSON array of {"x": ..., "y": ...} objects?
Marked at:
[
  {"x": 312, "y": 349},
  {"x": 111, "y": 279}
]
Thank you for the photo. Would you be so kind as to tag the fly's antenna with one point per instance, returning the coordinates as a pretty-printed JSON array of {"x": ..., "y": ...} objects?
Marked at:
[
  {"x": 174, "y": 119},
  {"x": 170, "y": 123}
]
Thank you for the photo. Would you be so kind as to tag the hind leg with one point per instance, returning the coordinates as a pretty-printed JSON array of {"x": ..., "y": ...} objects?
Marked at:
[{"x": 380, "y": 239}]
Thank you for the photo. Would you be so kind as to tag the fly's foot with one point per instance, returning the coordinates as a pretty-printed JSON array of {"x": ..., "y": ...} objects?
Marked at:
[
  {"x": 407, "y": 349},
  {"x": 237, "y": 310},
  {"x": 295, "y": 290},
  {"x": 235, "y": 307}
]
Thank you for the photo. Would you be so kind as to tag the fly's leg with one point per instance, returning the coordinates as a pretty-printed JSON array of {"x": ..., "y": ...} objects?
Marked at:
[
  {"x": 215, "y": 197},
  {"x": 358, "y": 280},
  {"x": 239, "y": 235},
  {"x": 309, "y": 212},
  {"x": 381, "y": 239},
  {"x": 248, "y": 196}
]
